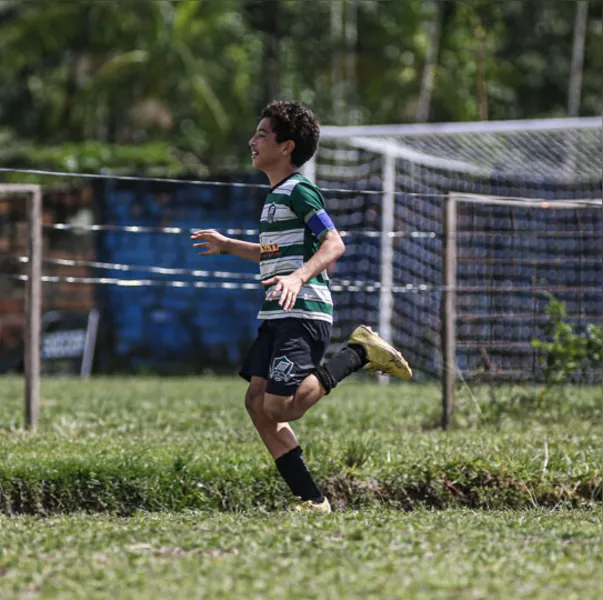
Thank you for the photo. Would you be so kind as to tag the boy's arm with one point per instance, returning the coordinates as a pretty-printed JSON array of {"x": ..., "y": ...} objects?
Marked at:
[
  {"x": 247, "y": 250},
  {"x": 289, "y": 286},
  {"x": 331, "y": 248},
  {"x": 216, "y": 243}
]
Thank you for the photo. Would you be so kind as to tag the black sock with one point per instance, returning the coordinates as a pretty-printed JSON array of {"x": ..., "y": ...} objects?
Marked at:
[
  {"x": 345, "y": 362},
  {"x": 294, "y": 471}
]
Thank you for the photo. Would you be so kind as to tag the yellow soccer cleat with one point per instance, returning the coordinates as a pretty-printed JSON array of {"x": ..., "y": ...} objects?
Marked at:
[
  {"x": 381, "y": 356},
  {"x": 323, "y": 507}
]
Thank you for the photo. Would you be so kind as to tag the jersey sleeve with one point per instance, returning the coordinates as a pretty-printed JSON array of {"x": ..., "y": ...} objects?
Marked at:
[{"x": 308, "y": 205}]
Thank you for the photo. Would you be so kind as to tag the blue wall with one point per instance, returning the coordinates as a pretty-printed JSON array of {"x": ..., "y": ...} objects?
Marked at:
[{"x": 174, "y": 329}]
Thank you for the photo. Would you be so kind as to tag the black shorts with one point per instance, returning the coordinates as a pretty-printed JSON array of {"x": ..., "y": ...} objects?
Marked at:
[{"x": 285, "y": 352}]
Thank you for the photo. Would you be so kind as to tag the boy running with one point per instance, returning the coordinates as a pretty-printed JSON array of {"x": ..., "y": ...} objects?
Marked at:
[{"x": 298, "y": 241}]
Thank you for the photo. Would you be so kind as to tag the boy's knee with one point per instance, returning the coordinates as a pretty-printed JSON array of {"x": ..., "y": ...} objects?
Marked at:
[
  {"x": 254, "y": 400},
  {"x": 273, "y": 408},
  {"x": 282, "y": 409}
]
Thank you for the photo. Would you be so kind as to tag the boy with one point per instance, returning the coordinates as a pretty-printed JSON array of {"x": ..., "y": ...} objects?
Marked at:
[{"x": 297, "y": 242}]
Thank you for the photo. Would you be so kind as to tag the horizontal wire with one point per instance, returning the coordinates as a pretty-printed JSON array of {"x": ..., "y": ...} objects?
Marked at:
[
  {"x": 139, "y": 282},
  {"x": 45, "y": 173},
  {"x": 343, "y": 285},
  {"x": 519, "y": 316},
  {"x": 512, "y": 262},
  {"x": 246, "y": 232},
  {"x": 65, "y": 262},
  {"x": 526, "y": 233},
  {"x": 479, "y": 344},
  {"x": 469, "y": 289},
  {"x": 547, "y": 202},
  {"x": 169, "y": 271},
  {"x": 146, "y": 268},
  {"x": 336, "y": 286},
  {"x": 361, "y": 233}
]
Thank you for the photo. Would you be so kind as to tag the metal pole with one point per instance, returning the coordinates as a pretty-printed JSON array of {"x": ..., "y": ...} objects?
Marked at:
[
  {"x": 448, "y": 309},
  {"x": 386, "y": 298},
  {"x": 33, "y": 307}
]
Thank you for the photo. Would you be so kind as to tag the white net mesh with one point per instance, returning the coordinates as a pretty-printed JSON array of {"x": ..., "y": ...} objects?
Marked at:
[
  {"x": 500, "y": 248},
  {"x": 510, "y": 258}
]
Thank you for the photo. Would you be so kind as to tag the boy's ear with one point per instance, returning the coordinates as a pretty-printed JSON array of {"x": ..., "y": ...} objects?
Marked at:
[{"x": 288, "y": 147}]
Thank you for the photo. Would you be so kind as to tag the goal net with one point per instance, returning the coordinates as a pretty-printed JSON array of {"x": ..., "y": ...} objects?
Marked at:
[
  {"x": 532, "y": 228},
  {"x": 528, "y": 223}
]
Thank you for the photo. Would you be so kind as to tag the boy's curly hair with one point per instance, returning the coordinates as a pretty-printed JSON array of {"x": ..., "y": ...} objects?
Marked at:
[{"x": 293, "y": 121}]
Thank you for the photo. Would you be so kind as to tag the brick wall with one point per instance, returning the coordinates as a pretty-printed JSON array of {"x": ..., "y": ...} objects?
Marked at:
[{"x": 60, "y": 205}]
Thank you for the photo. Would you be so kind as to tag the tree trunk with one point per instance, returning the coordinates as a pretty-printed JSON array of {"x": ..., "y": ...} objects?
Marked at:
[
  {"x": 271, "y": 60},
  {"x": 431, "y": 60},
  {"x": 575, "y": 83},
  {"x": 351, "y": 38},
  {"x": 337, "y": 83},
  {"x": 480, "y": 59}
]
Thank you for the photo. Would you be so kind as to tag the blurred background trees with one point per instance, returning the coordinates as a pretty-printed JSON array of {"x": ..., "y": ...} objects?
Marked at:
[{"x": 175, "y": 86}]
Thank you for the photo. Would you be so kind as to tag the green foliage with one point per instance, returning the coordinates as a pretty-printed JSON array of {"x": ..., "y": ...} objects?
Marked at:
[
  {"x": 193, "y": 74},
  {"x": 153, "y": 158},
  {"x": 122, "y": 445},
  {"x": 565, "y": 352}
]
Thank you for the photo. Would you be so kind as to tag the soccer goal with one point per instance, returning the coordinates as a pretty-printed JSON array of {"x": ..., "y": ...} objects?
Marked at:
[
  {"x": 474, "y": 224},
  {"x": 32, "y": 196}
]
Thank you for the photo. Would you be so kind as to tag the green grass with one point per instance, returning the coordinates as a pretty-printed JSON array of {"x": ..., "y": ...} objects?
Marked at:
[
  {"x": 126, "y": 444},
  {"x": 160, "y": 488},
  {"x": 421, "y": 555}
]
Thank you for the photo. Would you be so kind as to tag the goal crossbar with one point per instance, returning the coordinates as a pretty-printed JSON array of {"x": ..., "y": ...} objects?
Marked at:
[{"x": 422, "y": 129}]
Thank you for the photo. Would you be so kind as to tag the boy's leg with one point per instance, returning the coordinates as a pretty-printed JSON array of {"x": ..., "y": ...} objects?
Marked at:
[
  {"x": 365, "y": 348},
  {"x": 278, "y": 437},
  {"x": 294, "y": 407},
  {"x": 282, "y": 444}
]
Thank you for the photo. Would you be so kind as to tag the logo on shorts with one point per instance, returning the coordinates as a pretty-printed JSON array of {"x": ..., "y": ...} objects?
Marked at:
[
  {"x": 271, "y": 213},
  {"x": 281, "y": 369}
]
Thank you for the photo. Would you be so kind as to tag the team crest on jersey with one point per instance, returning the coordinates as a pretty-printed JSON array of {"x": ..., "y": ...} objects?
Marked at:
[
  {"x": 281, "y": 369},
  {"x": 271, "y": 213}
]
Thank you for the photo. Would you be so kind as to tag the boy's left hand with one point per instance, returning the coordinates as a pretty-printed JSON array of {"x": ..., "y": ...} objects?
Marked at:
[{"x": 288, "y": 286}]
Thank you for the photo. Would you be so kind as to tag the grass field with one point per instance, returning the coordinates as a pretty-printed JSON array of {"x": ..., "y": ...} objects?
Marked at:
[
  {"x": 368, "y": 554},
  {"x": 160, "y": 488}
]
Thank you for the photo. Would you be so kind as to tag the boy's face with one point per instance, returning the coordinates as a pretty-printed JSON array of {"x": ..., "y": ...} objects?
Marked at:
[{"x": 266, "y": 152}]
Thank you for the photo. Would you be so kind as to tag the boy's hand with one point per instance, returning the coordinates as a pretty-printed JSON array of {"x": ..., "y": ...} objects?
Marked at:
[
  {"x": 215, "y": 242},
  {"x": 288, "y": 286}
]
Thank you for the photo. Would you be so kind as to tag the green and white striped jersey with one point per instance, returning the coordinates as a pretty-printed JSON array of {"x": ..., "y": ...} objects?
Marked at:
[{"x": 293, "y": 223}]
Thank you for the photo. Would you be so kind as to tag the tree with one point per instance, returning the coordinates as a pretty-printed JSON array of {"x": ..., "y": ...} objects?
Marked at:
[
  {"x": 431, "y": 59},
  {"x": 575, "y": 83},
  {"x": 128, "y": 73},
  {"x": 190, "y": 76}
]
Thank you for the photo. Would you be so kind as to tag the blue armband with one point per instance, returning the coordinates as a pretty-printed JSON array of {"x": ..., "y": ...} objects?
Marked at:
[{"x": 319, "y": 223}]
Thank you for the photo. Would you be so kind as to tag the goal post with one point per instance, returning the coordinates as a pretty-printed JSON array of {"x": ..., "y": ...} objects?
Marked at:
[
  {"x": 439, "y": 175},
  {"x": 33, "y": 295},
  {"x": 448, "y": 308}
]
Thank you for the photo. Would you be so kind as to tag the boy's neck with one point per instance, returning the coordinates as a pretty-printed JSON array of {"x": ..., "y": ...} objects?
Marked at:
[{"x": 277, "y": 175}]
